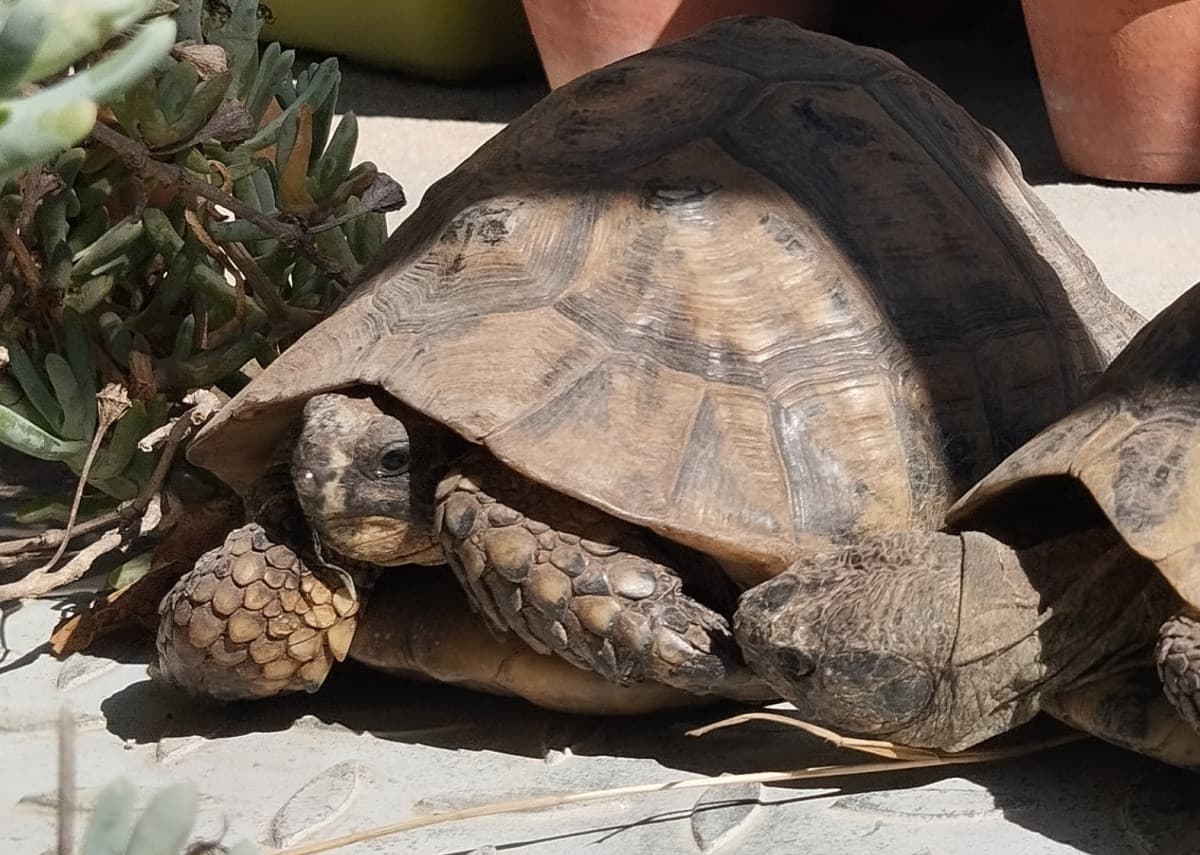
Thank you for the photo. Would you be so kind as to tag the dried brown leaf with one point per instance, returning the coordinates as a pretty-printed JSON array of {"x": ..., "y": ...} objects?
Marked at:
[
  {"x": 208, "y": 60},
  {"x": 136, "y": 606},
  {"x": 293, "y": 177}
]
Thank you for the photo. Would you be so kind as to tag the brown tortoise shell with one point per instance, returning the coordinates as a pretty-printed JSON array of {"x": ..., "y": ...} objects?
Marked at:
[
  {"x": 757, "y": 286},
  {"x": 1134, "y": 446}
]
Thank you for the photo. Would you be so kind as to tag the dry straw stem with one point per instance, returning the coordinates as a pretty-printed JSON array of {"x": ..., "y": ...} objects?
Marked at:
[
  {"x": 66, "y": 781},
  {"x": 877, "y": 747},
  {"x": 29, "y": 268},
  {"x": 914, "y": 758}
]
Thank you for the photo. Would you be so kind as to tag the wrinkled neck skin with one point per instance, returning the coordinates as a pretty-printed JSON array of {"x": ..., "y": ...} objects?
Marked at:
[
  {"x": 944, "y": 640},
  {"x": 366, "y": 472},
  {"x": 1037, "y": 622}
]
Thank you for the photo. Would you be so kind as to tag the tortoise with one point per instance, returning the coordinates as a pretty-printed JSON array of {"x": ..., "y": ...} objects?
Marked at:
[
  {"x": 1066, "y": 579},
  {"x": 695, "y": 314}
]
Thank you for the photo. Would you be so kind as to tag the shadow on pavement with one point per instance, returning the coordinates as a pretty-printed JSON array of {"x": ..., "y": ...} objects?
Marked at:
[{"x": 1054, "y": 793}]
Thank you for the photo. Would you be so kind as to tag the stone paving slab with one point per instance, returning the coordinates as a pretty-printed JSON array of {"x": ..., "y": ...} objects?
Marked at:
[
  {"x": 366, "y": 751},
  {"x": 369, "y": 750}
]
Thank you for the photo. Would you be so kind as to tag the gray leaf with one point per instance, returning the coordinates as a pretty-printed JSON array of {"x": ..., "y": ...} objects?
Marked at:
[
  {"x": 384, "y": 194},
  {"x": 721, "y": 812},
  {"x": 317, "y": 803},
  {"x": 80, "y": 669}
]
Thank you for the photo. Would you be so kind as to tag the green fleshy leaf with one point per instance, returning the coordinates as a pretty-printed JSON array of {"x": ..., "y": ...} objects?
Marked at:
[
  {"x": 22, "y": 33},
  {"x": 35, "y": 127},
  {"x": 317, "y": 91},
  {"x": 79, "y": 354},
  {"x": 77, "y": 29},
  {"x": 69, "y": 397},
  {"x": 55, "y": 511},
  {"x": 237, "y": 33},
  {"x": 167, "y": 822},
  {"x": 119, "y": 71},
  {"x": 129, "y": 572},
  {"x": 22, "y": 369},
  {"x": 18, "y": 432},
  {"x": 108, "y": 829}
]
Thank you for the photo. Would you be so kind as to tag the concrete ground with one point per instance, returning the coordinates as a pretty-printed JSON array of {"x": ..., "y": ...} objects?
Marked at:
[{"x": 367, "y": 751}]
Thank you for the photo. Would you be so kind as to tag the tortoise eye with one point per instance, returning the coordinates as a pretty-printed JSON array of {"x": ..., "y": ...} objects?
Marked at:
[{"x": 394, "y": 460}]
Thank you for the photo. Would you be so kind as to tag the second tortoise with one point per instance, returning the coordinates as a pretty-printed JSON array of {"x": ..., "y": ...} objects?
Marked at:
[{"x": 1069, "y": 581}]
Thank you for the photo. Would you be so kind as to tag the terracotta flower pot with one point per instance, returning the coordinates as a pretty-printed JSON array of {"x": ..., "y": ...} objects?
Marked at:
[
  {"x": 575, "y": 36},
  {"x": 1121, "y": 80}
]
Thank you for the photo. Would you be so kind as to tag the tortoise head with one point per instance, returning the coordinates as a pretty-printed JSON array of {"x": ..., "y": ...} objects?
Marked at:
[
  {"x": 365, "y": 472},
  {"x": 859, "y": 638},
  {"x": 943, "y": 640}
]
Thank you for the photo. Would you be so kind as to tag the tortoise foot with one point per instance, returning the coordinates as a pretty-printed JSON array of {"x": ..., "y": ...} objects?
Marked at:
[
  {"x": 600, "y": 604},
  {"x": 251, "y": 620},
  {"x": 1178, "y": 659}
]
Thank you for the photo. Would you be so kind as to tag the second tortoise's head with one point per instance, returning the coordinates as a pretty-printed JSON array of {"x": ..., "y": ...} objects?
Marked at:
[
  {"x": 365, "y": 471},
  {"x": 860, "y": 638}
]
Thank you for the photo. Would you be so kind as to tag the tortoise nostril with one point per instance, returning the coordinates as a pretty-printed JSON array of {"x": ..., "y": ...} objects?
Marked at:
[{"x": 796, "y": 663}]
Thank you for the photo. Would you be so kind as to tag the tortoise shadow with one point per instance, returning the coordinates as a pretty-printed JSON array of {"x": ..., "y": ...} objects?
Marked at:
[{"x": 1087, "y": 795}]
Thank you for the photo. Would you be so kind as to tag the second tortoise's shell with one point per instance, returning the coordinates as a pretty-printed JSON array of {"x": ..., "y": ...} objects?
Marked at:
[
  {"x": 1134, "y": 445},
  {"x": 757, "y": 286}
]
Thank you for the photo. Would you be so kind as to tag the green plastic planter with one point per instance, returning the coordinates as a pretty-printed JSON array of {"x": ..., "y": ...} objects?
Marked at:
[{"x": 448, "y": 40}]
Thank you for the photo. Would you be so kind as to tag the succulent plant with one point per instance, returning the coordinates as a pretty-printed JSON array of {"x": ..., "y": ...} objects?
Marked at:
[
  {"x": 170, "y": 212},
  {"x": 41, "y": 38},
  {"x": 162, "y": 829}
]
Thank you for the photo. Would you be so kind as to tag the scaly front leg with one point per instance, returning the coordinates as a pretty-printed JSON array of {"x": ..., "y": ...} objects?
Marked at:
[
  {"x": 569, "y": 579},
  {"x": 1178, "y": 659}
]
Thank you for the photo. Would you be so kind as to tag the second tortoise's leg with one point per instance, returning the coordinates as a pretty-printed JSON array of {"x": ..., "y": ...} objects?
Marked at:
[
  {"x": 571, "y": 580},
  {"x": 1178, "y": 659},
  {"x": 1128, "y": 709},
  {"x": 251, "y": 620}
]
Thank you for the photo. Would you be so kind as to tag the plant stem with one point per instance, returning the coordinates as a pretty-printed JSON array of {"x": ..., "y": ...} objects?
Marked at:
[
  {"x": 41, "y": 581},
  {"x": 114, "y": 403},
  {"x": 28, "y": 267},
  {"x": 140, "y": 160}
]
